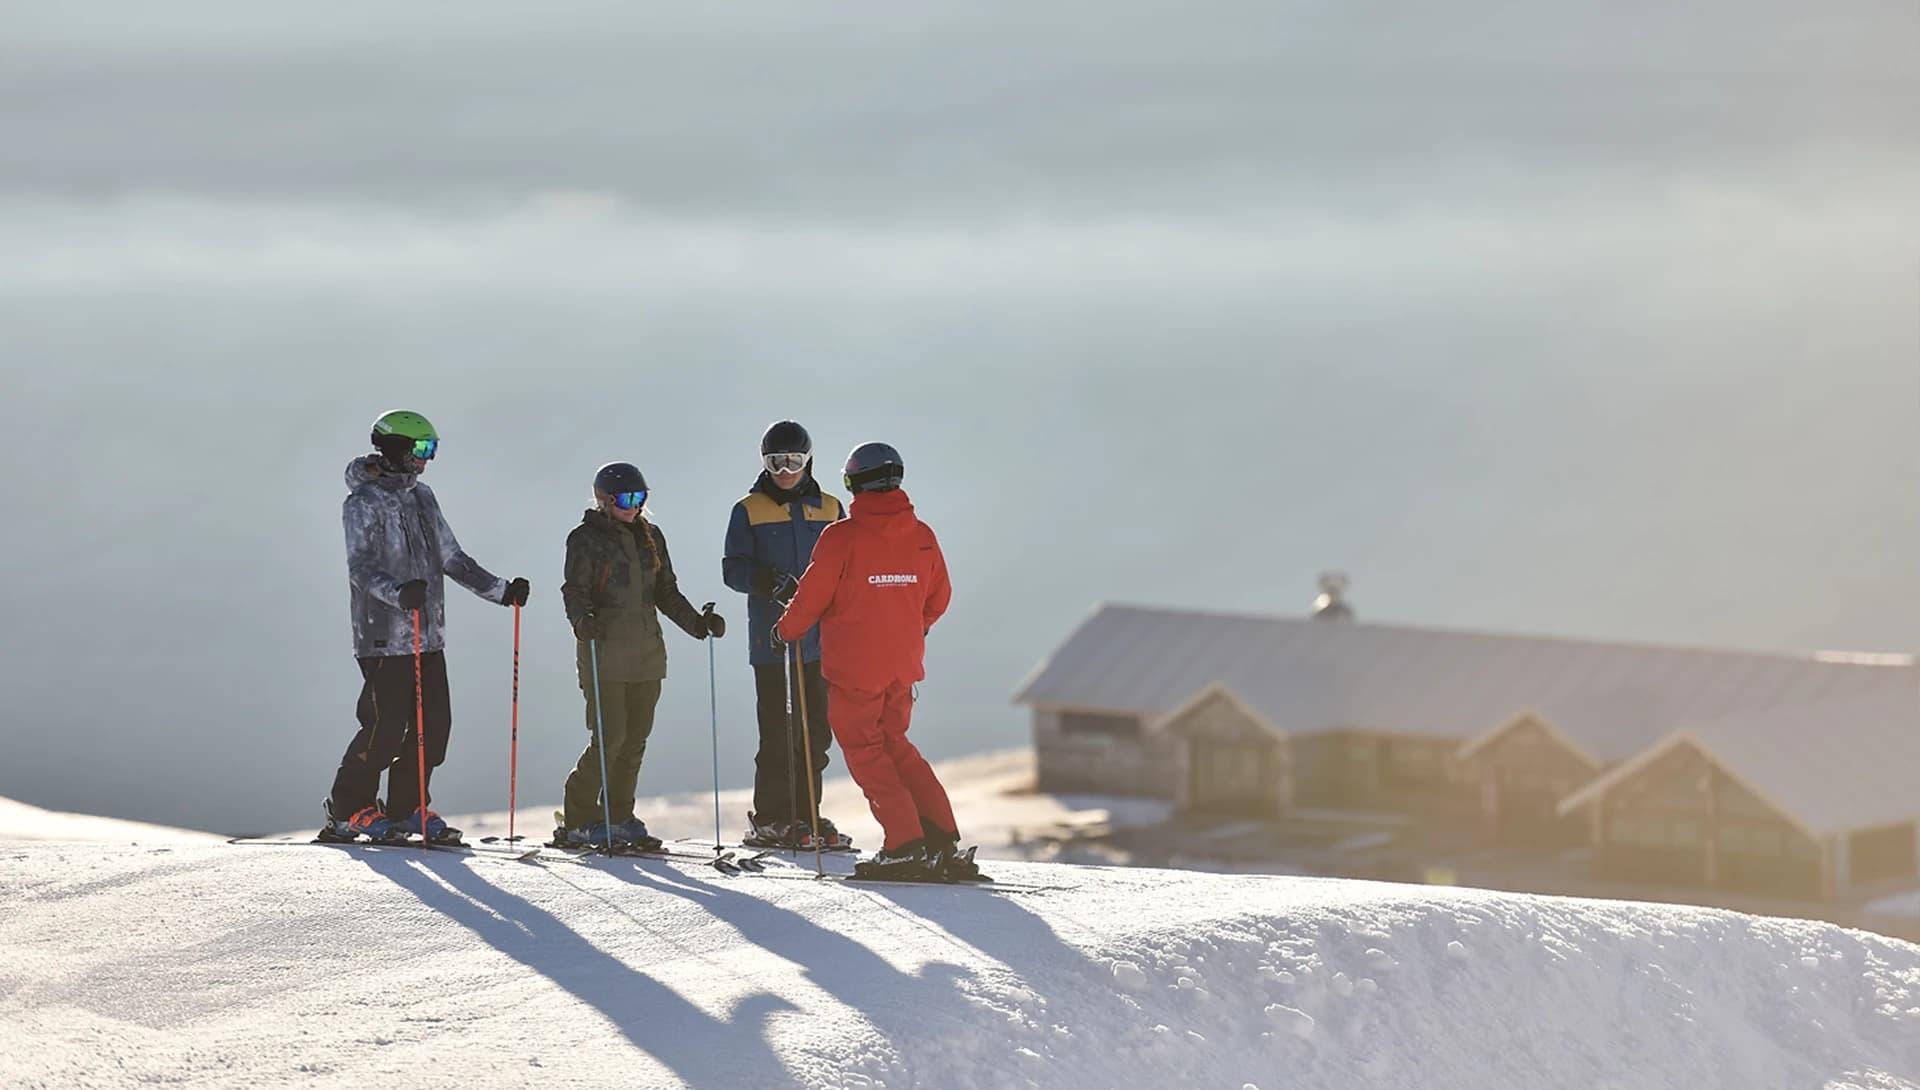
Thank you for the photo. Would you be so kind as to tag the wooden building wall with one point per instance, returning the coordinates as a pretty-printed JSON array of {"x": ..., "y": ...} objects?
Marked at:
[
  {"x": 1228, "y": 761},
  {"x": 1101, "y": 753},
  {"x": 1522, "y": 775},
  {"x": 1372, "y": 770},
  {"x": 1682, "y": 820}
]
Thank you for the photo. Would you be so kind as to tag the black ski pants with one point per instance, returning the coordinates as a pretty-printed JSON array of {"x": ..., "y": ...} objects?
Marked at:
[
  {"x": 779, "y": 768},
  {"x": 386, "y": 740}
]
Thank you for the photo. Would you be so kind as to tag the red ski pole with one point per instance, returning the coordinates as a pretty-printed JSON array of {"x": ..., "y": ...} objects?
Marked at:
[
  {"x": 420, "y": 725},
  {"x": 513, "y": 752}
]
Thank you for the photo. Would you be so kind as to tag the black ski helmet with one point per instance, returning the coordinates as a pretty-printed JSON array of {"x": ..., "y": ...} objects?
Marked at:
[
  {"x": 617, "y": 477},
  {"x": 786, "y": 437},
  {"x": 874, "y": 467}
]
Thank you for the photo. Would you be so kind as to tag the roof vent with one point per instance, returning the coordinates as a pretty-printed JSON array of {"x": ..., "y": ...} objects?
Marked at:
[{"x": 1332, "y": 604}]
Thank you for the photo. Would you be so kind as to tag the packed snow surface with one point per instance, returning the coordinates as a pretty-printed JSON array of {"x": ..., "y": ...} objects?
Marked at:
[
  {"x": 165, "y": 956},
  {"x": 217, "y": 965}
]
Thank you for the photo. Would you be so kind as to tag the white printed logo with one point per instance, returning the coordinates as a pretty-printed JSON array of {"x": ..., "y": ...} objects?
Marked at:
[{"x": 891, "y": 580}]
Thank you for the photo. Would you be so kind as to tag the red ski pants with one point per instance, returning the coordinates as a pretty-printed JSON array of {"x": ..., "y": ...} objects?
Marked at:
[{"x": 900, "y": 786}]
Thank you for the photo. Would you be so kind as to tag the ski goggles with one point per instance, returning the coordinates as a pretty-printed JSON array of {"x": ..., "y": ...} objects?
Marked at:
[
  {"x": 627, "y": 501},
  {"x": 425, "y": 449},
  {"x": 786, "y": 463}
]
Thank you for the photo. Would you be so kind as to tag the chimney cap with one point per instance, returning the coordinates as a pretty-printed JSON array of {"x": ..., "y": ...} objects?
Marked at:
[{"x": 1331, "y": 605}]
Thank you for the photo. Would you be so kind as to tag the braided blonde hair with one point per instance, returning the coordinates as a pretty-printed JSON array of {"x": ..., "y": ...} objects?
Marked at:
[{"x": 647, "y": 543}]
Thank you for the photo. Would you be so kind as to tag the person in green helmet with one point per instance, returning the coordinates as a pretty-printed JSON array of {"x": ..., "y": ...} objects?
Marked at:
[{"x": 399, "y": 551}]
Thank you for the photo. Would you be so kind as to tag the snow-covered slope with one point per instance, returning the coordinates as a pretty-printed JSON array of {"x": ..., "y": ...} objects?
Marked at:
[
  {"x": 235, "y": 966},
  {"x": 19, "y": 821}
]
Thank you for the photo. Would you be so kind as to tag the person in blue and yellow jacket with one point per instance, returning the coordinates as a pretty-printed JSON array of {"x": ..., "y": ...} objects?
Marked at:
[{"x": 770, "y": 539}]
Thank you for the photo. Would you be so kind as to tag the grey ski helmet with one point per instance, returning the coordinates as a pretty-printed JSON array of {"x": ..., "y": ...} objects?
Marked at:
[{"x": 874, "y": 467}]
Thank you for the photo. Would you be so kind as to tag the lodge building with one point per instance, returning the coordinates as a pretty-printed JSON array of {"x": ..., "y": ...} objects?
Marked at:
[{"x": 1776, "y": 774}]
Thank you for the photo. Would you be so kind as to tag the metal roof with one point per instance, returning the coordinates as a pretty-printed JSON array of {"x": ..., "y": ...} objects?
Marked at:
[
  {"x": 1307, "y": 676},
  {"x": 1847, "y": 762}
]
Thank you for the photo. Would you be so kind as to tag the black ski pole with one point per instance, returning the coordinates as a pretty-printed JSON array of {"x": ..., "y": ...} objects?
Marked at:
[
  {"x": 806, "y": 741},
  {"x": 793, "y": 786}
]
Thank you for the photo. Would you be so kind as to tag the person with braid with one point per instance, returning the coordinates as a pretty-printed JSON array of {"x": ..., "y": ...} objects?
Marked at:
[{"x": 619, "y": 582}]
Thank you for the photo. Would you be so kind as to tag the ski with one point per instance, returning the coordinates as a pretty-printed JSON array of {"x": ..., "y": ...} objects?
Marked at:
[
  {"x": 918, "y": 883},
  {"x": 990, "y": 885},
  {"x": 619, "y": 851},
  {"x": 524, "y": 853},
  {"x": 789, "y": 849},
  {"x": 416, "y": 845}
]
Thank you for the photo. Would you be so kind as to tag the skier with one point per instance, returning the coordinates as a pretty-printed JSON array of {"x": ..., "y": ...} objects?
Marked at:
[
  {"x": 619, "y": 579},
  {"x": 399, "y": 547},
  {"x": 770, "y": 538},
  {"x": 877, "y": 584}
]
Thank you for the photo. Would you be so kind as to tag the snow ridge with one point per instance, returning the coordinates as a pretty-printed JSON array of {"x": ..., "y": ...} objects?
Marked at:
[{"x": 226, "y": 965}]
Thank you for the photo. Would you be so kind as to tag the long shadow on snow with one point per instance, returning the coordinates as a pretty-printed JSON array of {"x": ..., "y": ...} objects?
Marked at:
[
  {"x": 700, "y": 1049},
  {"x": 919, "y": 1013}
]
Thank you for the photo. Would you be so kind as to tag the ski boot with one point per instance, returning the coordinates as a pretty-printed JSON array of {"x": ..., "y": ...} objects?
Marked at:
[
  {"x": 768, "y": 834},
  {"x": 948, "y": 860},
  {"x": 632, "y": 833},
  {"x": 910, "y": 862},
  {"x": 368, "y": 821},
  {"x": 438, "y": 831},
  {"x": 955, "y": 864},
  {"x": 831, "y": 838},
  {"x": 591, "y": 836}
]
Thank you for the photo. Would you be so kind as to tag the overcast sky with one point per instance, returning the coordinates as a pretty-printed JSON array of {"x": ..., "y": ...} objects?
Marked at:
[{"x": 1536, "y": 317}]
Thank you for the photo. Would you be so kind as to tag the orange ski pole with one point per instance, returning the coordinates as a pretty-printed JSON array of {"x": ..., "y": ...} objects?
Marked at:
[
  {"x": 513, "y": 752},
  {"x": 420, "y": 725}
]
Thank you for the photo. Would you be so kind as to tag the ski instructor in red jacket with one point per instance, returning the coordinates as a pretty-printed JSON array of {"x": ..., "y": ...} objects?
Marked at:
[{"x": 875, "y": 585}]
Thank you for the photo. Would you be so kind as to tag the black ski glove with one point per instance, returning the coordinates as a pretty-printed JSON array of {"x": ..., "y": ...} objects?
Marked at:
[
  {"x": 716, "y": 624},
  {"x": 412, "y": 594},
  {"x": 588, "y": 627},
  {"x": 516, "y": 593},
  {"x": 775, "y": 584}
]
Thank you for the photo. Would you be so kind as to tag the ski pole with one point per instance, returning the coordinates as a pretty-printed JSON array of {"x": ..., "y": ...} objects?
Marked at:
[
  {"x": 420, "y": 725},
  {"x": 600, "y": 743},
  {"x": 793, "y": 786},
  {"x": 513, "y": 750},
  {"x": 713, "y": 701},
  {"x": 813, "y": 805}
]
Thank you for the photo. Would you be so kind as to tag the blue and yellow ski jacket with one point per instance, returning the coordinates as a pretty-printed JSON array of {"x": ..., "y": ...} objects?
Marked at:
[{"x": 764, "y": 533}]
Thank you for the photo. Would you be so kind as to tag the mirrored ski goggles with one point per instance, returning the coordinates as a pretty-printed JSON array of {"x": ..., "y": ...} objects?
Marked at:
[
  {"x": 627, "y": 501},
  {"x": 425, "y": 449},
  {"x": 786, "y": 463}
]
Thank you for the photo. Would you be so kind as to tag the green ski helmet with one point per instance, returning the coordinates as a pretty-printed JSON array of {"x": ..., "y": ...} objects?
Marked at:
[{"x": 399, "y": 435}]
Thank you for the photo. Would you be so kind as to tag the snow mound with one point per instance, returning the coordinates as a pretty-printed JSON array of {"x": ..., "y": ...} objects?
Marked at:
[
  {"x": 19, "y": 821},
  {"x": 248, "y": 966}
]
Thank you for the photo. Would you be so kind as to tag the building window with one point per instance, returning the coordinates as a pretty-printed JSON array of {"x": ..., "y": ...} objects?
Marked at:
[{"x": 1093, "y": 725}]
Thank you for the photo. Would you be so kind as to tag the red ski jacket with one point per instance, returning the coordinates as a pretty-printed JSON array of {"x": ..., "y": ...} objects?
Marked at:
[{"x": 876, "y": 584}]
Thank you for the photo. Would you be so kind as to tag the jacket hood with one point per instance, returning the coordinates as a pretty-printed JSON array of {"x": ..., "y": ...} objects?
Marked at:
[
  {"x": 892, "y": 510},
  {"x": 368, "y": 468}
]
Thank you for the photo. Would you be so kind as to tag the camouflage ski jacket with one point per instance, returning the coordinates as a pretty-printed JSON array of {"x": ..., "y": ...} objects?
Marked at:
[
  {"x": 626, "y": 583},
  {"x": 395, "y": 534}
]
